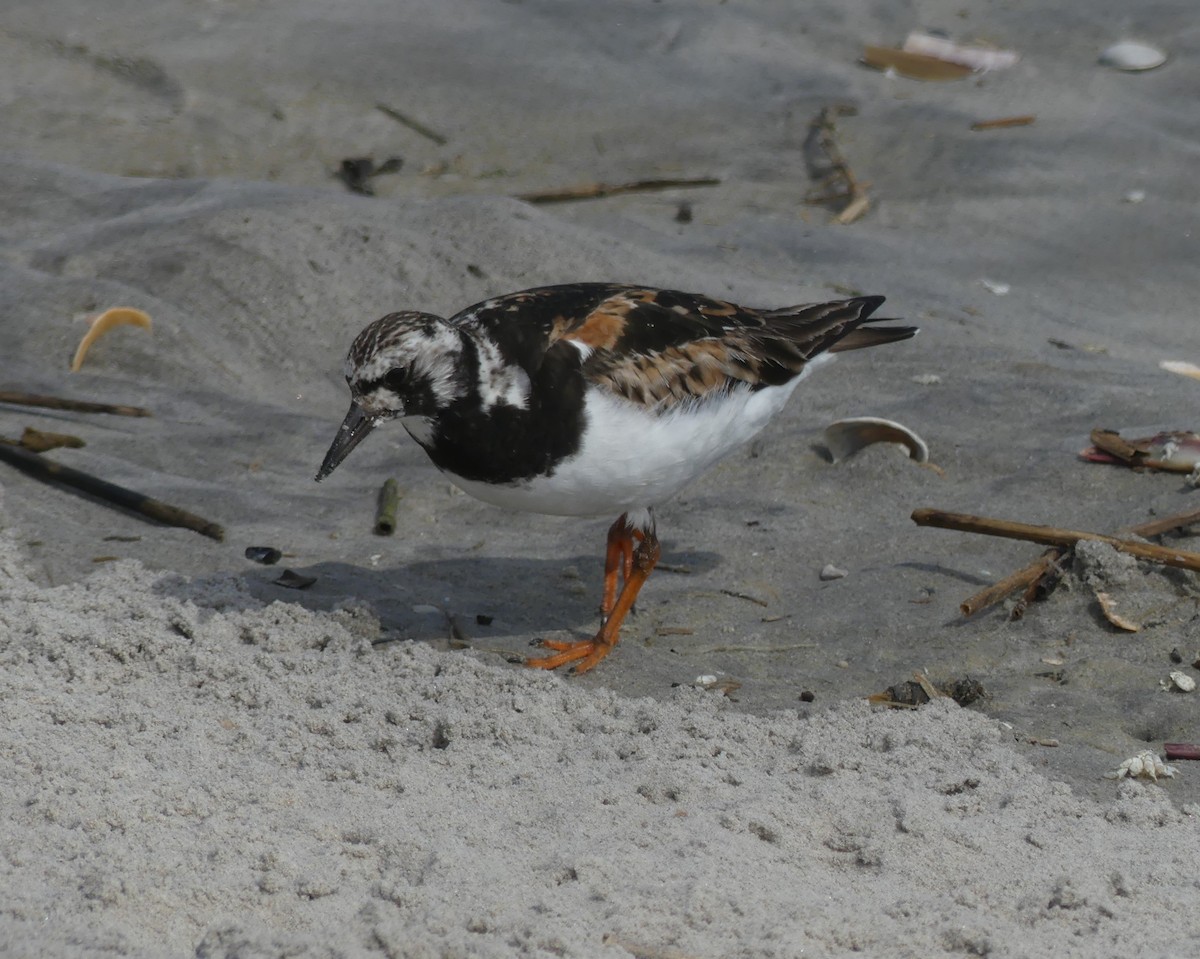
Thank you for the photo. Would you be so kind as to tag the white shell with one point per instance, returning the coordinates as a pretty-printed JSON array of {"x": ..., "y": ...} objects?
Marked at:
[
  {"x": 846, "y": 437},
  {"x": 830, "y": 572},
  {"x": 1132, "y": 55},
  {"x": 1182, "y": 681}
]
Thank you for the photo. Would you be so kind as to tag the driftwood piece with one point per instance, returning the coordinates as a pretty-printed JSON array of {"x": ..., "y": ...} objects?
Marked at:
[
  {"x": 53, "y": 472},
  {"x": 596, "y": 191},
  {"x": 64, "y": 403},
  {"x": 1053, "y": 536}
]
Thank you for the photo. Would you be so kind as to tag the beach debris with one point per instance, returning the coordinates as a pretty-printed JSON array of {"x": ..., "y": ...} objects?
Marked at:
[
  {"x": 831, "y": 572},
  {"x": 385, "y": 513},
  {"x": 102, "y": 323},
  {"x": 925, "y": 56},
  {"x": 746, "y": 596},
  {"x": 1108, "y": 606},
  {"x": 266, "y": 555},
  {"x": 683, "y": 212},
  {"x": 63, "y": 403},
  {"x": 1181, "y": 367},
  {"x": 1053, "y": 536},
  {"x": 596, "y": 191},
  {"x": 1145, "y": 765},
  {"x": 1002, "y": 123},
  {"x": 920, "y": 690},
  {"x": 979, "y": 57},
  {"x": 1181, "y": 750},
  {"x": 1175, "y": 452},
  {"x": 1133, "y": 56},
  {"x": 844, "y": 438},
  {"x": 357, "y": 172},
  {"x": 290, "y": 579},
  {"x": 1134, "y": 196},
  {"x": 926, "y": 379},
  {"x": 716, "y": 683},
  {"x": 41, "y": 442},
  {"x": 807, "y": 696},
  {"x": 996, "y": 287},
  {"x": 1156, "y": 527},
  {"x": 1178, "y": 681},
  {"x": 417, "y": 127},
  {"x": 37, "y": 465},
  {"x": 915, "y": 66},
  {"x": 1175, "y": 656},
  {"x": 835, "y": 183}
]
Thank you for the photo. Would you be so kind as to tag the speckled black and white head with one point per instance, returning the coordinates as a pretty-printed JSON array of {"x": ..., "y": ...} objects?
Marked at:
[{"x": 406, "y": 365}]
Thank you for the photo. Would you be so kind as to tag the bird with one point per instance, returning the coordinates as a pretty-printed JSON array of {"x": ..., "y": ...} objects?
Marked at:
[{"x": 591, "y": 399}]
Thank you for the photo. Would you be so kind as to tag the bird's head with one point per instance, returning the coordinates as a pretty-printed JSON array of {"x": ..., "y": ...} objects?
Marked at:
[{"x": 405, "y": 365}]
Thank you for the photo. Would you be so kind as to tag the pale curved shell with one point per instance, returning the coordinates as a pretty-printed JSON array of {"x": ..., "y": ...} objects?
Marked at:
[
  {"x": 117, "y": 316},
  {"x": 846, "y": 437},
  {"x": 1133, "y": 55}
]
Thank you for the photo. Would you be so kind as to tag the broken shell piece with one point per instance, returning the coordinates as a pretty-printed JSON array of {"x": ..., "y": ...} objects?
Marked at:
[
  {"x": 1179, "y": 681},
  {"x": 117, "y": 316},
  {"x": 846, "y": 437},
  {"x": 996, "y": 287},
  {"x": 1145, "y": 765},
  {"x": 1180, "y": 367},
  {"x": 977, "y": 58},
  {"x": 829, "y": 571},
  {"x": 1132, "y": 56},
  {"x": 1108, "y": 606}
]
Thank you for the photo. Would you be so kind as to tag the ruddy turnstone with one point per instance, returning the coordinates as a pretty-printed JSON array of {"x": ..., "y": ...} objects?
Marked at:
[{"x": 591, "y": 399}]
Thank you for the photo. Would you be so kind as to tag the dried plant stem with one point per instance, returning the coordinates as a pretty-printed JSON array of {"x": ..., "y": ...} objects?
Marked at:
[
  {"x": 62, "y": 403},
  {"x": 1053, "y": 536},
  {"x": 50, "y": 471}
]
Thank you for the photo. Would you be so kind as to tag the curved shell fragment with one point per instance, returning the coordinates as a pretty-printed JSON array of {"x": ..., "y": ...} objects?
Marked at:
[
  {"x": 846, "y": 437},
  {"x": 117, "y": 316}
]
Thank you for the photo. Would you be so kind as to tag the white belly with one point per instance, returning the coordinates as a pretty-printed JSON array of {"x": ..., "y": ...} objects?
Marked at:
[{"x": 630, "y": 460}]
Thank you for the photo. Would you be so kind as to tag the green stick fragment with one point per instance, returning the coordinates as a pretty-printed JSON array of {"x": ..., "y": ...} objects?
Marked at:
[
  {"x": 44, "y": 469},
  {"x": 385, "y": 515}
]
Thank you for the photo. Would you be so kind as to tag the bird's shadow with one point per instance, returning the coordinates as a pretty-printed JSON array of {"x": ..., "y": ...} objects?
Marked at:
[{"x": 493, "y": 595}]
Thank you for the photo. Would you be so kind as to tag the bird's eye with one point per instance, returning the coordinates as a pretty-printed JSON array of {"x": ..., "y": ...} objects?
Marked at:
[{"x": 396, "y": 379}]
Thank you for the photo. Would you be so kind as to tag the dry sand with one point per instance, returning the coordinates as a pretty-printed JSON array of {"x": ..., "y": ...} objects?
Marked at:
[{"x": 199, "y": 762}]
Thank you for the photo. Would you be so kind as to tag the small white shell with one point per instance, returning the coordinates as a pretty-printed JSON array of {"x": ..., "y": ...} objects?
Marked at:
[
  {"x": 996, "y": 287},
  {"x": 830, "y": 572},
  {"x": 1179, "y": 680},
  {"x": 1133, "y": 56},
  {"x": 846, "y": 437}
]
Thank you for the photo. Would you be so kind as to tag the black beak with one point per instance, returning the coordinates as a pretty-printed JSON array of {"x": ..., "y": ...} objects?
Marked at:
[{"x": 353, "y": 430}]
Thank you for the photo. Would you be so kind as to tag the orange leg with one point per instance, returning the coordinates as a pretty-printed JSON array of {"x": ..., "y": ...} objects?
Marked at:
[
  {"x": 618, "y": 557},
  {"x": 638, "y": 563}
]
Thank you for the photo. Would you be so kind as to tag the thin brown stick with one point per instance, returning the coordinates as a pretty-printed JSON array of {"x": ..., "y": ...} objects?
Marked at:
[
  {"x": 1159, "y": 526},
  {"x": 1001, "y": 122},
  {"x": 840, "y": 182},
  {"x": 595, "y": 191},
  {"x": 51, "y": 471},
  {"x": 1043, "y": 585},
  {"x": 997, "y": 592},
  {"x": 62, "y": 403},
  {"x": 1053, "y": 536},
  {"x": 414, "y": 125}
]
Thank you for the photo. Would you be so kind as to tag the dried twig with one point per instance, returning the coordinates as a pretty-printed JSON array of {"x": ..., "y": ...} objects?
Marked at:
[
  {"x": 1053, "y": 536},
  {"x": 62, "y": 403},
  {"x": 595, "y": 191},
  {"x": 1159, "y": 526},
  {"x": 417, "y": 127},
  {"x": 829, "y": 167},
  {"x": 1002, "y": 122},
  {"x": 50, "y": 471},
  {"x": 1021, "y": 579},
  {"x": 745, "y": 596}
]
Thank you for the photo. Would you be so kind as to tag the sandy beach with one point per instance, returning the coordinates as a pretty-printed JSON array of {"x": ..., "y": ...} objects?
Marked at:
[{"x": 199, "y": 761}]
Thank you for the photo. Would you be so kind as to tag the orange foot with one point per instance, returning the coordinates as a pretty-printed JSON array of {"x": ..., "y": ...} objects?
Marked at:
[{"x": 635, "y": 564}]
